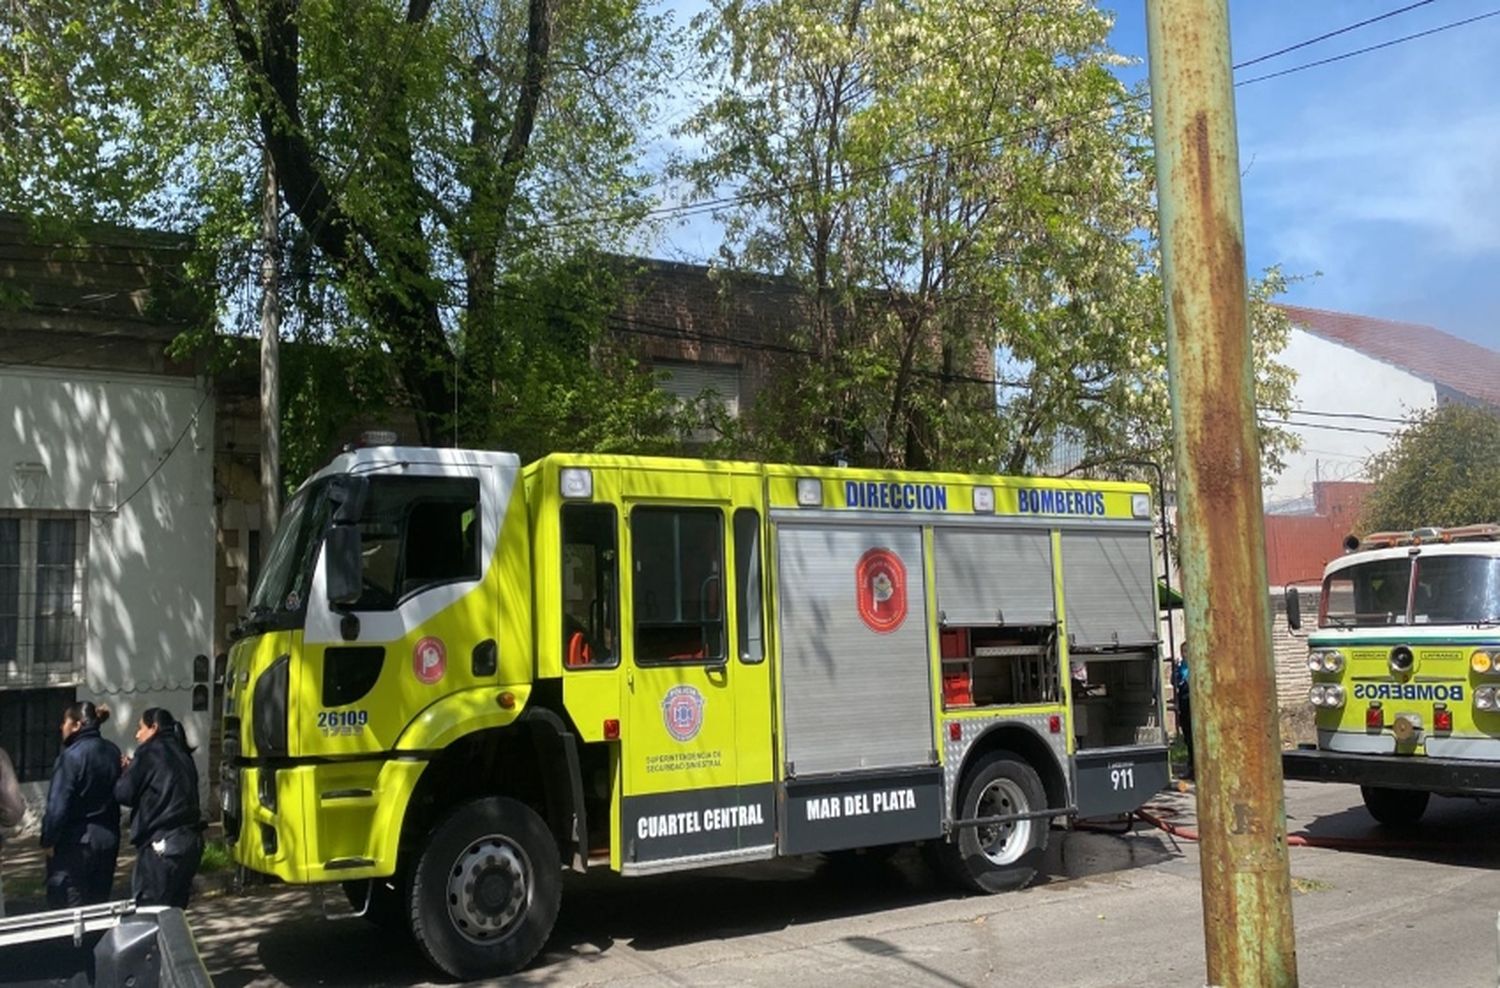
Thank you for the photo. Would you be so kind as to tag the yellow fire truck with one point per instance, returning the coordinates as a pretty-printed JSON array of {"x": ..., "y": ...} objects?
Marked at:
[
  {"x": 1405, "y": 665},
  {"x": 462, "y": 676}
]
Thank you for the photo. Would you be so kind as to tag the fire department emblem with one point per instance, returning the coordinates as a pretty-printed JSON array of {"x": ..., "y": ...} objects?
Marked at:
[
  {"x": 682, "y": 710},
  {"x": 880, "y": 590},
  {"x": 429, "y": 660}
]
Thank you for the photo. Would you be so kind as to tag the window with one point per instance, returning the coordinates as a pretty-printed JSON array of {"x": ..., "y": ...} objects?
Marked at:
[
  {"x": 679, "y": 590},
  {"x": 417, "y": 533},
  {"x": 1372, "y": 594},
  {"x": 590, "y": 592},
  {"x": 747, "y": 604},
  {"x": 29, "y": 728},
  {"x": 41, "y": 596}
]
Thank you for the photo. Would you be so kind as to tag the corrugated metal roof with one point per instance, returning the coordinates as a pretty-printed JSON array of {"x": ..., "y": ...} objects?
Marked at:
[{"x": 1424, "y": 351}]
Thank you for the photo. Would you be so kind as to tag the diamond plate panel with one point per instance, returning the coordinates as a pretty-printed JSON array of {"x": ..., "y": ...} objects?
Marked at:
[{"x": 972, "y": 728}]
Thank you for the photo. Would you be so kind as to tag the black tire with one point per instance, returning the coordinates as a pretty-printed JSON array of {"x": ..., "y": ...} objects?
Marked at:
[
  {"x": 486, "y": 889},
  {"x": 1395, "y": 807},
  {"x": 1000, "y": 857},
  {"x": 387, "y": 903}
]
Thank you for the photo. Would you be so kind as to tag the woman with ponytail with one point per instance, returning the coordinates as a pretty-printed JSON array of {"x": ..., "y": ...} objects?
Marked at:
[
  {"x": 81, "y": 828},
  {"x": 160, "y": 785}
]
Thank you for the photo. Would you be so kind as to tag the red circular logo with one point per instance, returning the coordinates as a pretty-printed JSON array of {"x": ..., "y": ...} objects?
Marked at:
[
  {"x": 880, "y": 590},
  {"x": 429, "y": 660}
]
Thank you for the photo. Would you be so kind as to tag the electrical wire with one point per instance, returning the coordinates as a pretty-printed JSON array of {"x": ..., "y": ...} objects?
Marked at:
[
  {"x": 207, "y": 392},
  {"x": 1331, "y": 34},
  {"x": 1369, "y": 48},
  {"x": 1331, "y": 428}
]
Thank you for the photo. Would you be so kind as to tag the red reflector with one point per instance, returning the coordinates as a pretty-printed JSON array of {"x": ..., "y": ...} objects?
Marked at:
[
  {"x": 611, "y": 730},
  {"x": 1374, "y": 717},
  {"x": 1442, "y": 720},
  {"x": 955, "y": 731},
  {"x": 1054, "y": 724}
]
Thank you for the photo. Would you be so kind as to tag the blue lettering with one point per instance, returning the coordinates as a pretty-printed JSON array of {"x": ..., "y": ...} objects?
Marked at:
[
  {"x": 940, "y": 498},
  {"x": 1023, "y": 501},
  {"x": 1099, "y": 499},
  {"x": 851, "y": 494},
  {"x": 909, "y": 496},
  {"x": 872, "y": 497},
  {"x": 1049, "y": 501},
  {"x": 885, "y": 495}
]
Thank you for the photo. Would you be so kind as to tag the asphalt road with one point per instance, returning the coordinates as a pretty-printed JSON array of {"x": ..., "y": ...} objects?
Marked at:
[{"x": 1112, "y": 909}]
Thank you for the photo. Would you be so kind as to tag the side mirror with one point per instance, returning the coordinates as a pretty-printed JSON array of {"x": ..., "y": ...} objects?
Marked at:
[
  {"x": 345, "y": 565},
  {"x": 1293, "y": 609}
]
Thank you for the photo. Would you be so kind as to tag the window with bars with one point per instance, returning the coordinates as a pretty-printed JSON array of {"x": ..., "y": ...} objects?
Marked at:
[
  {"x": 29, "y": 728},
  {"x": 42, "y": 557}
]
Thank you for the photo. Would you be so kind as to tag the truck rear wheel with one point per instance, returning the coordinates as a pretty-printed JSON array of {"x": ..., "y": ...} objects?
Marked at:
[
  {"x": 998, "y": 857},
  {"x": 486, "y": 889},
  {"x": 1395, "y": 807}
]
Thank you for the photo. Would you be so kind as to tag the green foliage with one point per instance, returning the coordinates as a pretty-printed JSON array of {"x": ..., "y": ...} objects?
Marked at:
[
  {"x": 425, "y": 154},
  {"x": 946, "y": 182},
  {"x": 1441, "y": 470}
]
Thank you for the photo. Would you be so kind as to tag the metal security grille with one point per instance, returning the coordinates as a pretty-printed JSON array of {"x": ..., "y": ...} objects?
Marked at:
[
  {"x": 41, "y": 597},
  {"x": 29, "y": 728}
]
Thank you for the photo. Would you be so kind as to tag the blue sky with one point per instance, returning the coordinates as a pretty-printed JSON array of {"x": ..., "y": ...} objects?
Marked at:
[{"x": 1380, "y": 174}]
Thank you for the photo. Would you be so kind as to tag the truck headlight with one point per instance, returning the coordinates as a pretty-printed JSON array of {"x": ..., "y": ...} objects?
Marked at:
[
  {"x": 1326, "y": 695},
  {"x": 1325, "y": 660}
]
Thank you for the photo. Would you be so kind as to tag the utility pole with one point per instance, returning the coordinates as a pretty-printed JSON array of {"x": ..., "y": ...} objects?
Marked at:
[
  {"x": 1247, "y": 911},
  {"x": 270, "y": 359}
]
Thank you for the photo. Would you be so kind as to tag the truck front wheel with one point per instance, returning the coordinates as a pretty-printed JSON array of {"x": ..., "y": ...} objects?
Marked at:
[
  {"x": 1395, "y": 807},
  {"x": 486, "y": 889},
  {"x": 998, "y": 857}
]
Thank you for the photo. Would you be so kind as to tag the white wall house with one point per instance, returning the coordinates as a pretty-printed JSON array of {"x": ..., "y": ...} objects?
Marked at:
[
  {"x": 1358, "y": 380},
  {"x": 106, "y": 554}
]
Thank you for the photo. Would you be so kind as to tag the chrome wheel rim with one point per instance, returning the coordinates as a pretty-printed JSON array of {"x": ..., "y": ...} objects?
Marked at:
[
  {"x": 489, "y": 889},
  {"x": 1003, "y": 843}
]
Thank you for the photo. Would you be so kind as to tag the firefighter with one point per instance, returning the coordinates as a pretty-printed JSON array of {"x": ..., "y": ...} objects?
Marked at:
[
  {"x": 81, "y": 828},
  {"x": 160, "y": 785}
]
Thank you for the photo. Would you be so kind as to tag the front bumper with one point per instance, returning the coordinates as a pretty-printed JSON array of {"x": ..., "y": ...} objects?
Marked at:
[
  {"x": 1439, "y": 775},
  {"x": 319, "y": 822}
]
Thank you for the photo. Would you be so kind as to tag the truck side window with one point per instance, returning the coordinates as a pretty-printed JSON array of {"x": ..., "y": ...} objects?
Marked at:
[
  {"x": 418, "y": 533},
  {"x": 747, "y": 603},
  {"x": 590, "y": 581},
  {"x": 679, "y": 585}
]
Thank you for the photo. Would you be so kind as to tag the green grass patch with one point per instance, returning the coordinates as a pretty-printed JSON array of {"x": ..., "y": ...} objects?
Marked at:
[{"x": 215, "y": 858}]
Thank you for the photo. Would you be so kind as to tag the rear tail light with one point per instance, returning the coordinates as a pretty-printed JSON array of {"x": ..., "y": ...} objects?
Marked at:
[
  {"x": 1375, "y": 717},
  {"x": 1484, "y": 698},
  {"x": 1326, "y": 695},
  {"x": 1442, "y": 718},
  {"x": 612, "y": 729}
]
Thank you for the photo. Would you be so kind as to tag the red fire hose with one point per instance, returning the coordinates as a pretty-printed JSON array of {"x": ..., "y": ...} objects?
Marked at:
[{"x": 1300, "y": 840}]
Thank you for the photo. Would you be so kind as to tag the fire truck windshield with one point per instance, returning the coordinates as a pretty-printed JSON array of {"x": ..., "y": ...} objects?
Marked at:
[
  {"x": 286, "y": 576},
  {"x": 1432, "y": 589}
]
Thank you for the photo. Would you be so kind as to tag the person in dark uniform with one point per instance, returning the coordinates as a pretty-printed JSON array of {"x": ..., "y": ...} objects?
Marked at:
[
  {"x": 160, "y": 785},
  {"x": 81, "y": 828}
]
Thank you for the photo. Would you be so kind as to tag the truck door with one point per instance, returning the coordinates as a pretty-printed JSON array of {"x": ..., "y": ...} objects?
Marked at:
[{"x": 686, "y": 799}]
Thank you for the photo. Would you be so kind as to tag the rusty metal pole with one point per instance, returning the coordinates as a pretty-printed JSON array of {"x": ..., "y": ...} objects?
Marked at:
[{"x": 1247, "y": 911}]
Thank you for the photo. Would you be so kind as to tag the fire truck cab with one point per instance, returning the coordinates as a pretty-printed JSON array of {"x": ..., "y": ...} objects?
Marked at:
[
  {"x": 1405, "y": 664},
  {"x": 462, "y": 676}
]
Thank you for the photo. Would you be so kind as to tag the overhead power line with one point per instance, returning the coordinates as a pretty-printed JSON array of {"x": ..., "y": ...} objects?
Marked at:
[
  {"x": 1328, "y": 427},
  {"x": 1369, "y": 48},
  {"x": 1331, "y": 34},
  {"x": 699, "y": 206}
]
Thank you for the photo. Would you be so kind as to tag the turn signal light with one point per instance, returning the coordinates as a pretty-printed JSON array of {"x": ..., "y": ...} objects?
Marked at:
[
  {"x": 1442, "y": 718},
  {"x": 1375, "y": 717},
  {"x": 612, "y": 730}
]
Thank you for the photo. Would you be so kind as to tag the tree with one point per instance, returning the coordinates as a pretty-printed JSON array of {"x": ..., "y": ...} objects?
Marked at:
[
  {"x": 1441, "y": 470},
  {"x": 424, "y": 151},
  {"x": 949, "y": 181}
]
